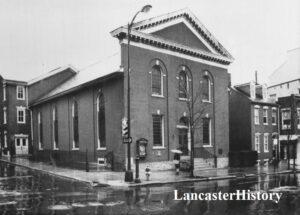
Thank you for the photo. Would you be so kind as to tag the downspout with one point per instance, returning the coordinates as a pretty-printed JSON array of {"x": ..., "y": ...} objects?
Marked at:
[{"x": 168, "y": 118}]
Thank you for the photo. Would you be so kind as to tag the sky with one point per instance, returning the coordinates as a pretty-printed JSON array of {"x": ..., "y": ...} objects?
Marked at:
[{"x": 37, "y": 36}]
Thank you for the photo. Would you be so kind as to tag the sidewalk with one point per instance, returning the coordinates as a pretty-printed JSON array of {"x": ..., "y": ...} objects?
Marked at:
[{"x": 116, "y": 179}]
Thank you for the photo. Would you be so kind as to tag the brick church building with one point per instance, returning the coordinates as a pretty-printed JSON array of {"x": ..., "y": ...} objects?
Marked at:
[{"x": 77, "y": 115}]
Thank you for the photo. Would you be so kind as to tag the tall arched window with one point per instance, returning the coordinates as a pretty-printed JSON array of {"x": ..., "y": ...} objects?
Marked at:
[
  {"x": 75, "y": 125},
  {"x": 206, "y": 88},
  {"x": 101, "y": 121},
  {"x": 55, "y": 128},
  {"x": 156, "y": 80},
  {"x": 183, "y": 85}
]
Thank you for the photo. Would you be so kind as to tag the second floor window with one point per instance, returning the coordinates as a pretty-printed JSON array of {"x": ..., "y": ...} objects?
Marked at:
[
  {"x": 21, "y": 114},
  {"x": 75, "y": 125},
  {"x": 157, "y": 130},
  {"x": 286, "y": 118},
  {"x": 183, "y": 85},
  {"x": 265, "y": 116},
  {"x": 20, "y": 92},
  {"x": 206, "y": 90},
  {"x": 266, "y": 142},
  {"x": 256, "y": 116},
  {"x": 157, "y": 81},
  {"x": 274, "y": 116}
]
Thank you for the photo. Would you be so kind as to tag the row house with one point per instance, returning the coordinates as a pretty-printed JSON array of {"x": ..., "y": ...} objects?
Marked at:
[
  {"x": 77, "y": 114},
  {"x": 290, "y": 127},
  {"x": 14, "y": 118},
  {"x": 253, "y": 121}
]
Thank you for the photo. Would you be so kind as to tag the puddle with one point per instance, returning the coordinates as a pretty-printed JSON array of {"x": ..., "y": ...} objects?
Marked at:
[
  {"x": 289, "y": 189},
  {"x": 60, "y": 207},
  {"x": 95, "y": 204},
  {"x": 9, "y": 193},
  {"x": 111, "y": 204},
  {"x": 79, "y": 205},
  {"x": 8, "y": 203}
]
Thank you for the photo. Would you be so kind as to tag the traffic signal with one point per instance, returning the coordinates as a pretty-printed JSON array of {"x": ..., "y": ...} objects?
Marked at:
[{"x": 125, "y": 127}]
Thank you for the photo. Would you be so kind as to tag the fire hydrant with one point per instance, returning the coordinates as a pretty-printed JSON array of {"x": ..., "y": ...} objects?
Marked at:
[{"x": 147, "y": 172}]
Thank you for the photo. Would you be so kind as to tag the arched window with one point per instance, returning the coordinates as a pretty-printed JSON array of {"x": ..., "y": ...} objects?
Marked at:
[
  {"x": 75, "y": 125},
  {"x": 206, "y": 88},
  {"x": 101, "y": 121},
  {"x": 55, "y": 128},
  {"x": 183, "y": 85},
  {"x": 156, "y": 81}
]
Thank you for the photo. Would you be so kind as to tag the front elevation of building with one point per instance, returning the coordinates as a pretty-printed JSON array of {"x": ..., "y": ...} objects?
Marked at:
[{"x": 174, "y": 61}]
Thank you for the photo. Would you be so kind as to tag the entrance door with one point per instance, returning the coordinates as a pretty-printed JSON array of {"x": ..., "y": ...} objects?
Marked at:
[
  {"x": 21, "y": 144},
  {"x": 183, "y": 141}
]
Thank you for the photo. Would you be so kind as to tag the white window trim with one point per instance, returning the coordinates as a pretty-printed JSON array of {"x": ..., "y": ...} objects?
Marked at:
[
  {"x": 266, "y": 135},
  {"x": 265, "y": 110},
  {"x": 23, "y": 92},
  {"x": 21, "y": 108},
  {"x": 162, "y": 134},
  {"x": 39, "y": 129},
  {"x": 210, "y": 142},
  {"x": 161, "y": 95},
  {"x": 257, "y": 148},
  {"x": 53, "y": 130},
  {"x": 73, "y": 142},
  {"x": 285, "y": 127},
  {"x": 99, "y": 148},
  {"x": 256, "y": 122},
  {"x": 4, "y": 93},
  {"x": 4, "y": 115}
]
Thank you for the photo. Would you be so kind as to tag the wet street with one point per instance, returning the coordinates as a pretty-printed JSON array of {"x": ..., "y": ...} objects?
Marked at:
[{"x": 28, "y": 192}]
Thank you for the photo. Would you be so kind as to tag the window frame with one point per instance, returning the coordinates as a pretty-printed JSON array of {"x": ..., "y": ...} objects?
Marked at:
[
  {"x": 209, "y": 84},
  {"x": 99, "y": 147},
  {"x": 40, "y": 131},
  {"x": 287, "y": 126},
  {"x": 74, "y": 147},
  {"x": 23, "y": 92},
  {"x": 209, "y": 133},
  {"x": 266, "y": 142},
  {"x": 183, "y": 71},
  {"x": 55, "y": 128},
  {"x": 257, "y": 143},
  {"x": 21, "y": 109},
  {"x": 4, "y": 92},
  {"x": 161, "y": 81},
  {"x": 298, "y": 117},
  {"x": 265, "y": 115},
  {"x": 162, "y": 131},
  {"x": 256, "y": 116},
  {"x": 4, "y": 115},
  {"x": 5, "y": 139}
]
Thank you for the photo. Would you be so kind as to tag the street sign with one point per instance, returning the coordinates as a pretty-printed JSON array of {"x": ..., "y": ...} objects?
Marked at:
[{"x": 127, "y": 140}]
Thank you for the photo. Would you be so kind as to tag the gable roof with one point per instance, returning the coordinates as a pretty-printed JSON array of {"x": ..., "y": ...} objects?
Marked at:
[
  {"x": 142, "y": 31},
  {"x": 103, "y": 70}
]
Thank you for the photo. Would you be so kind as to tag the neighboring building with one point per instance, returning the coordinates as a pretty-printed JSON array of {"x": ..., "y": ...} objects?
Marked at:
[
  {"x": 285, "y": 80},
  {"x": 253, "y": 121},
  {"x": 290, "y": 127},
  {"x": 15, "y": 118},
  {"x": 77, "y": 114}
]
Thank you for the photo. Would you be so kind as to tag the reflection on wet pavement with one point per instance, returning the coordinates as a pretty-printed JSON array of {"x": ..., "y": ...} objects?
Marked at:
[{"x": 26, "y": 192}]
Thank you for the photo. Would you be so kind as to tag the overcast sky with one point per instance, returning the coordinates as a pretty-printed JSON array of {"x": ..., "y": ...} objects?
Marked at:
[{"x": 39, "y": 35}]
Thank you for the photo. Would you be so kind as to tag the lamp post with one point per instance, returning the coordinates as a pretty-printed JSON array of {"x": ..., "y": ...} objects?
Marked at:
[{"x": 129, "y": 173}]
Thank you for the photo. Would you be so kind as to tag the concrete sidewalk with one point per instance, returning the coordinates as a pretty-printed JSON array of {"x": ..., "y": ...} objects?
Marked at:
[{"x": 116, "y": 179}]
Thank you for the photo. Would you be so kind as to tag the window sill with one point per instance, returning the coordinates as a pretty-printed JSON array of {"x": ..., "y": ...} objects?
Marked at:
[
  {"x": 21, "y": 99},
  {"x": 21, "y": 122},
  {"x": 101, "y": 149},
  {"x": 266, "y": 151},
  {"x": 207, "y": 101},
  {"x": 56, "y": 149},
  {"x": 157, "y": 96},
  {"x": 75, "y": 149},
  {"x": 158, "y": 147},
  {"x": 256, "y": 123},
  {"x": 266, "y": 123},
  {"x": 274, "y": 124},
  {"x": 183, "y": 99},
  {"x": 207, "y": 146}
]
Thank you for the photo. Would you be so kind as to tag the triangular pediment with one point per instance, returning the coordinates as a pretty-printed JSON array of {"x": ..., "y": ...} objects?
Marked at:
[{"x": 182, "y": 34}]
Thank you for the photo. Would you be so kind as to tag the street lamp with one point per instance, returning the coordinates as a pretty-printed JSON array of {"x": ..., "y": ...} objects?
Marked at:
[{"x": 129, "y": 173}]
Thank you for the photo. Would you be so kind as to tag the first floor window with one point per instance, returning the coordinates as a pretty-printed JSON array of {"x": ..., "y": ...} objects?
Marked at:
[
  {"x": 157, "y": 130},
  {"x": 21, "y": 114},
  {"x": 101, "y": 121},
  {"x": 55, "y": 128},
  {"x": 257, "y": 143},
  {"x": 40, "y": 131},
  {"x": 75, "y": 125},
  {"x": 206, "y": 131},
  {"x": 266, "y": 142}
]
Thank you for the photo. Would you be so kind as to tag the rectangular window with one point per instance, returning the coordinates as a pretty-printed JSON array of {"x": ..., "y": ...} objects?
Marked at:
[
  {"x": 4, "y": 93},
  {"x": 75, "y": 125},
  {"x": 40, "y": 131},
  {"x": 5, "y": 139},
  {"x": 21, "y": 92},
  {"x": 298, "y": 118},
  {"x": 206, "y": 125},
  {"x": 21, "y": 115},
  {"x": 4, "y": 115},
  {"x": 286, "y": 118},
  {"x": 266, "y": 142},
  {"x": 158, "y": 131},
  {"x": 265, "y": 116},
  {"x": 55, "y": 128},
  {"x": 257, "y": 143},
  {"x": 256, "y": 116},
  {"x": 274, "y": 116}
]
